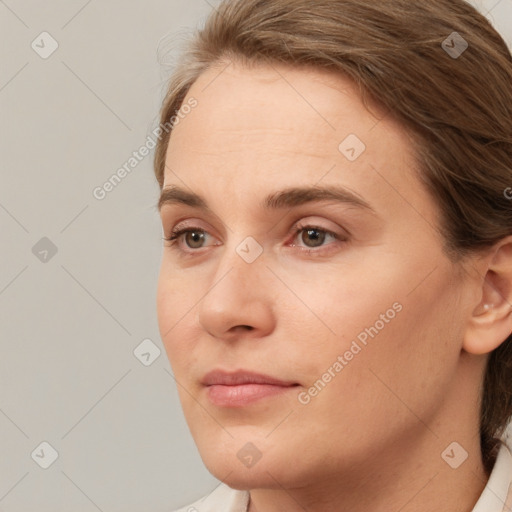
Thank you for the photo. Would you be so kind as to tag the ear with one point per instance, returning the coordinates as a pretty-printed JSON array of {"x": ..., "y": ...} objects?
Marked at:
[{"x": 491, "y": 321}]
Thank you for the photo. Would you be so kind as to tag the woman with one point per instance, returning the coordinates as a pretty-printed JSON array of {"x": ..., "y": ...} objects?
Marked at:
[{"x": 335, "y": 295}]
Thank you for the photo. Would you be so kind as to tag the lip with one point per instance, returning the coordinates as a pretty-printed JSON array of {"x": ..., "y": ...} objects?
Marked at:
[{"x": 242, "y": 387}]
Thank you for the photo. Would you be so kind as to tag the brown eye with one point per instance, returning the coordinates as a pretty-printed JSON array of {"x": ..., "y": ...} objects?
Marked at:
[
  {"x": 193, "y": 239},
  {"x": 313, "y": 235}
]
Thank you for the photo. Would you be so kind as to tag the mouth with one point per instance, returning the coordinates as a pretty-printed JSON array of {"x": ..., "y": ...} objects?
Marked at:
[{"x": 241, "y": 388}]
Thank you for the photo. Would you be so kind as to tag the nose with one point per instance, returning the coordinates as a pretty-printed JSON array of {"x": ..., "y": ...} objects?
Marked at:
[{"x": 240, "y": 299}]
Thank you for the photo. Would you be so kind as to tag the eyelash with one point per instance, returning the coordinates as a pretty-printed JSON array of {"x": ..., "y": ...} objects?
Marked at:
[{"x": 177, "y": 233}]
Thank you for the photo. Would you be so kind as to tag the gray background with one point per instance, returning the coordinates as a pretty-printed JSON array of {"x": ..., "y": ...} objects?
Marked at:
[{"x": 70, "y": 324}]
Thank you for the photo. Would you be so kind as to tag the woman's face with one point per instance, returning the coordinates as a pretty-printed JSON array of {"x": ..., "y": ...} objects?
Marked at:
[{"x": 346, "y": 299}]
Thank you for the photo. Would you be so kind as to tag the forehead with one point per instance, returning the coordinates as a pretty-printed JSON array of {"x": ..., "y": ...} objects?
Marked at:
[
  {"x": 272, "y": 126},
  {"x": 278, "y": 106}
]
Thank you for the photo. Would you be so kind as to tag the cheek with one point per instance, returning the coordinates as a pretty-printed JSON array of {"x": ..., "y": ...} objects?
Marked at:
[
  {"x": 337, "y": 307},
  {"x": 174, "y": 300},
  {"x": 383, "y": 323},
  {"x": 165, "y": 296},
  {"x": 399, "y": 351}
]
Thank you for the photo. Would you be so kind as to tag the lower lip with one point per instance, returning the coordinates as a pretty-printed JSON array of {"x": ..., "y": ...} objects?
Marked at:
[{"x": 243, "y": 394}]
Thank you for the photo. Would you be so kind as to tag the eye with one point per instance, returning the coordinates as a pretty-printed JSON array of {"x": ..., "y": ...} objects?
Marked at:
[
  {"x": 313, "y": 236},
  {"x": 193, "y": 237}
]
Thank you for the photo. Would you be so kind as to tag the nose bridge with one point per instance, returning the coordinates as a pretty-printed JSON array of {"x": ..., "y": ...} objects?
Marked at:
[
  {"x": 239, "y": 292},
  {"x": 241, "y": 269}
]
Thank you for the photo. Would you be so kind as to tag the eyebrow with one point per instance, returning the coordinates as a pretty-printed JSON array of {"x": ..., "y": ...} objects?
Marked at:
[{"x": 287, "y": 198}]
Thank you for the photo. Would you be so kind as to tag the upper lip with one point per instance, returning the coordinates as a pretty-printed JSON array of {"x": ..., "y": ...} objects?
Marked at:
[{"x": 239, "y": 377}]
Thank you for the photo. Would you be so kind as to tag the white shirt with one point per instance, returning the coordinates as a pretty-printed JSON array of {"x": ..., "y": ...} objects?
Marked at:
[{"x": 496, "y": 497}]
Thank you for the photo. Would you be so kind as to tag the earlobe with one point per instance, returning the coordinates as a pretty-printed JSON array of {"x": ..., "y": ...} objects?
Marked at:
[
  {"x": 488, "y": 330},
  {"x": 491, "y": 321}
]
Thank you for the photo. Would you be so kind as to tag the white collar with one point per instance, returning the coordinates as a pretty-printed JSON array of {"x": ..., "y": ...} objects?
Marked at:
[{"x": 497, "y": 495}]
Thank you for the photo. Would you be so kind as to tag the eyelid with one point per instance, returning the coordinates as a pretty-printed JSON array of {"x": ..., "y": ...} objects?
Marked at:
[
  {"x": 177, "y": 234},
  {"x": 314, "y": 221},
  {"x": 190, "y": 224},
  {"x": 180, "y": 230},
  {"x": 307, "y": 227}
]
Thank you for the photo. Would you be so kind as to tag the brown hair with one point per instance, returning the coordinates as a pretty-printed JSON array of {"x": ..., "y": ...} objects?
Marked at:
[{"x": 458, "y": 108}]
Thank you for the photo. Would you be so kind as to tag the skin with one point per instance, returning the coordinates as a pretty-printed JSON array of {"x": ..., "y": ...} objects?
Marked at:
[{"x": 372, "y": 439}]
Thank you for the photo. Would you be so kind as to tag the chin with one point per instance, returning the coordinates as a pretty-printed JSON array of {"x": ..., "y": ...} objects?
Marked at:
[
  {"x": 236, "y": 476},
  {"x": 231, "y": 463}
]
